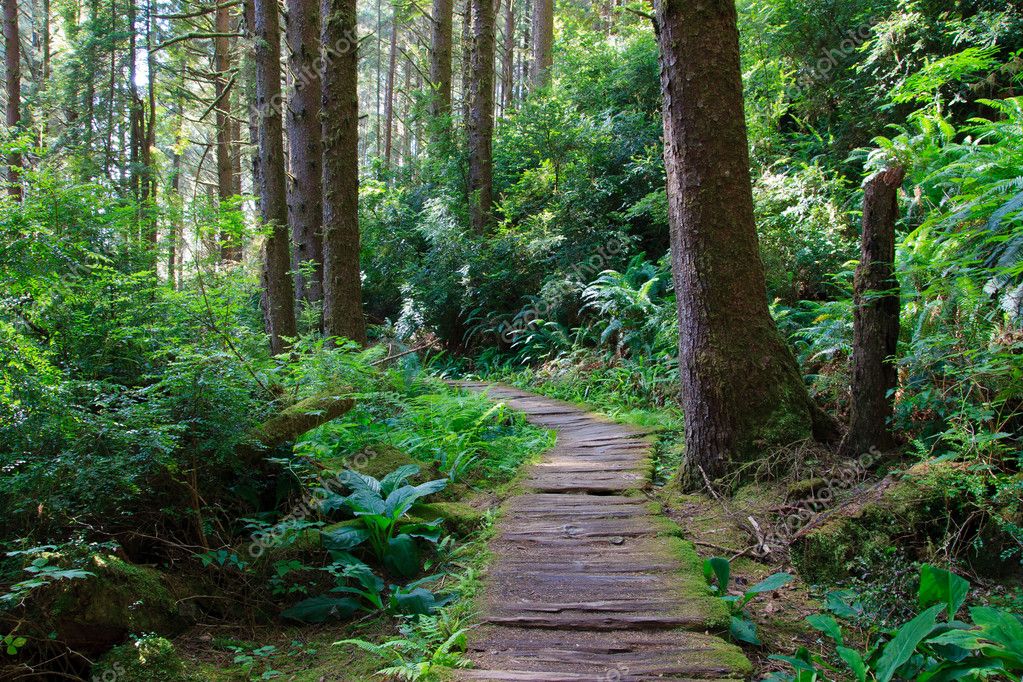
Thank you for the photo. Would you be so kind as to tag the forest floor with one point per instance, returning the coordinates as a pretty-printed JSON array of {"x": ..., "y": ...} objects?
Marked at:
[{"x": 588, "y": 581}]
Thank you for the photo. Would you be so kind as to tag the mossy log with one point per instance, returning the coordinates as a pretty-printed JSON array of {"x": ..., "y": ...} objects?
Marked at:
[
  {"x": 92, "y": 614},
  {"x": 303, "y": 416}
]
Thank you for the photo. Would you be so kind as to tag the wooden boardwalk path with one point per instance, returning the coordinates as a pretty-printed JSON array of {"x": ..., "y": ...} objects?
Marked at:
[{"x": 587, "y": 581}]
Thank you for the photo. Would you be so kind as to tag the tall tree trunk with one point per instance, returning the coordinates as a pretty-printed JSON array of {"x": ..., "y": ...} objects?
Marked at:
[
  {"x": 149, "y": 185},
  {"x": 481, "y": 116},
  {"x": 177, "y": 214},
  {"x": 405, "y": 150},
  {"x": 305, "y": 198},
  {"x": 279, "y": 291},
  {"x": 466, "y": 54},
  {"x": 249, "y": 16},
  {"x": 136, "y": 112},
  {"x": 875, "y": 318},
  {"x": 440, "y": 64},
  {"x": 12, "y": 44},
  {"x": 227, "y": 182},
  {"x": 741, "y": 389},
  {"x": 543, "y": 42},
  {"x": 508, "y": 58},
  {"x": 342, "y": 283},
  {"x": 392, "y": 64}
]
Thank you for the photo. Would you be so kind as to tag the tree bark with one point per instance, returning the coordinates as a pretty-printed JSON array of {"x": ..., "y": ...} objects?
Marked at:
[
  {"x": 466, "y": 53},
  {"x": 342, "y": 282},
  {"x": 875, "y": 318},
  {"x": 12, "y": 43},
  {"x": 249, "y": 17},
  {"x": 227, "y": 183},
  {"x": 279, "y": 292},
  {"x": 508, "y": 58},
  {"x": 305, "y": 199},
  {"x": 741, "y": 389},
  {"x": 392, "y": 64},
  {"x": 440, "y": 63},
  {"x": 481, "y": 115},
  {"x": 543, "y": 42}
]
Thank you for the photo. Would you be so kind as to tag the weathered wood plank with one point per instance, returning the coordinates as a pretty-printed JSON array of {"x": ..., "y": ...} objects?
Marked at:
[{"x": 581, "y": 586}]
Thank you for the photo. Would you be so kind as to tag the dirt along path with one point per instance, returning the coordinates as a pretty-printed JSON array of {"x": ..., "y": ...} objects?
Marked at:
[{"x": 587, "y": 580}]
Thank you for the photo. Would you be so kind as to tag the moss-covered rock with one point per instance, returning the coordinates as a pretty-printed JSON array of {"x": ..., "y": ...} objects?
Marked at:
[
  {"x": 92, "y": 614},
  {"x": 912, "y": 502},
  {"x": 146, "y": 659},
  {"x": 459, "y": 518}
]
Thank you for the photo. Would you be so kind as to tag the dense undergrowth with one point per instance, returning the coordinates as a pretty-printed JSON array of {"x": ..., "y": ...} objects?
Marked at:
[{"x": 140, "y": 510}]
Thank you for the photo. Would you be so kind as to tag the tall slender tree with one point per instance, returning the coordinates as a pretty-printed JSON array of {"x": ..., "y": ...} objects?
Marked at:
[
  {"x": 342, "y": 281},
  {"x": 480, "y": 121},
  {"x": 875, "y": 318},
  {"x": 305, "y": 196},
  {"x": 543, "y": 42},
  {"x": 278, "y": 289},
  {"x": 392, "y": 66},
  {"x": 508, "y": 57},
  {"x": 740, "y": 385},
  {"x": 442, "y": 21},
  {"x": 12, "y": 43},
  {"x": 227, "y": 182}
]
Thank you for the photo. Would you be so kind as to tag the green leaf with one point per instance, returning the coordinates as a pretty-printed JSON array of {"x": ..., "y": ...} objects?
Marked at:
[
  {"x": 844, "y": 604},
  {"x": 320, "y": 609},
  {"x": 795, "y": 661},
  {"x": 743, "y": 630},
  {"x": 902, "y": 646},
  {"x": 344, "y": 538},
  {"x": 426, "y": 531},
  {"x": 827, "y": 625},
  {"x": 854, "y": 660},
  {"x": 396, "y": 478},
  {"x": 402, "y": 557},
  {"x": 972, "y": 668},
  {"x": 720, "y": 568},
  {"x": 1002, "y": 628},
  {"x": 940, "y": 586},
  {"x": 770, "y": 583},
  {"x": 402, "y": 499},
  {"x": 418, "y": 601}
]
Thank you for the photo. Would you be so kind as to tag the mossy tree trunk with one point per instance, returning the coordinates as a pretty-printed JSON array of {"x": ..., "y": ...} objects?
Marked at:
[
  {"x": 875, "y": 318},
  {"x": 12, "y": 44},
  {"x": 342, "y": 283},
  {"x": 480, "y": 121},
  {"x": 305, "y": 196},
  {"x": 279, "y": 290},
  {"x": 442, "y": 22},
  {"x": 741, "y": 389}
]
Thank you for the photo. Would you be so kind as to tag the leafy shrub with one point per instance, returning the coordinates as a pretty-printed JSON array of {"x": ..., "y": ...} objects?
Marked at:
[{"x": 990, "y": 646}]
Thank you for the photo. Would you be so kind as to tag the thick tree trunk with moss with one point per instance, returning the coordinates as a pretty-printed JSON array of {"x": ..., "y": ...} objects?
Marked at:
[
  {"x": 279, "y": 291},
  {"x": 481, "y": 116},
  {"x": 305, "y": 196},
  {"x": 741, "y": 389},
  {"x": 876, "y": 318},
  {"x": 342, "y": 282}
]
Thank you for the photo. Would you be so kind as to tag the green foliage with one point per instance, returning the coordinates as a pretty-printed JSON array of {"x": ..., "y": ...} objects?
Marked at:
[
  {"x": 923, "y": 648},
  {"x": 380, "y": 506},
  {"x": 428, "y": 647},
  {"x": 717, "y": 572}
]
